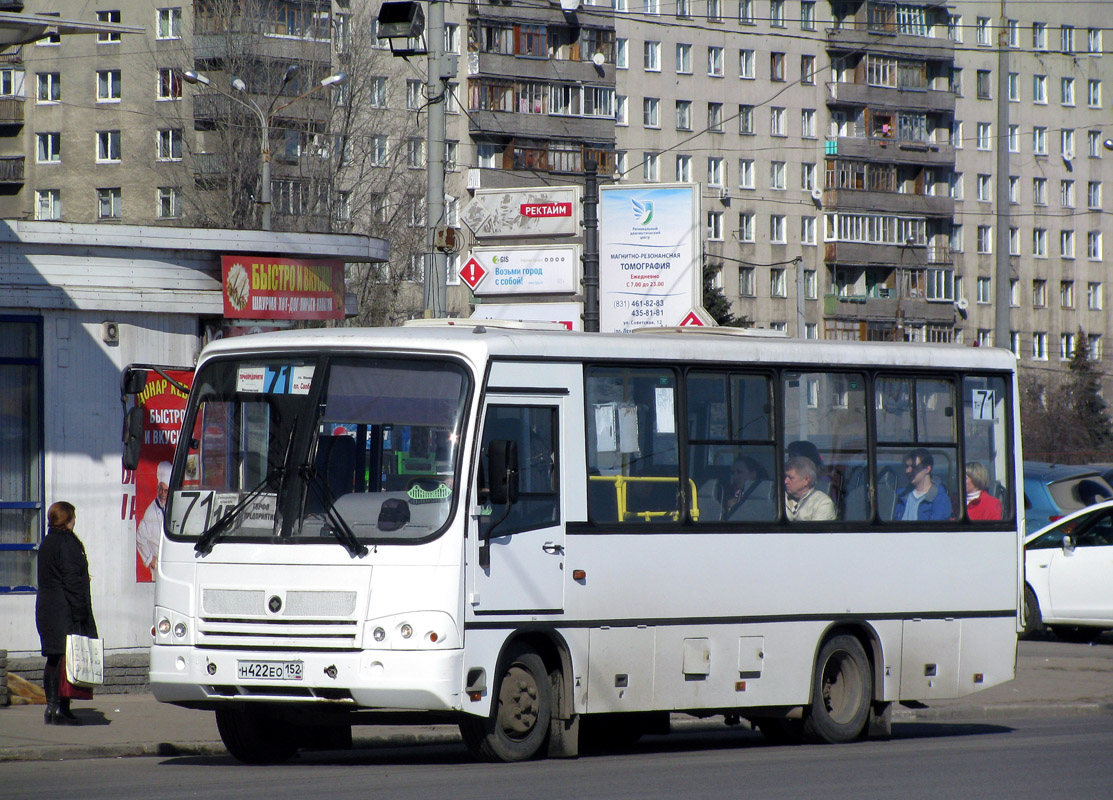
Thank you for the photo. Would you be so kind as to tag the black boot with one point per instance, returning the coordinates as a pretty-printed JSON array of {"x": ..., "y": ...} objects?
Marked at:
[
  {"x": 65, "y": 716},
  {"x": 50, "y": 688}
]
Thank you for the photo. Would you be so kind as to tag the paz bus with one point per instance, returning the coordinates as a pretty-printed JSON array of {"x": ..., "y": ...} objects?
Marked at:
[{"x": 533, "y": 534}]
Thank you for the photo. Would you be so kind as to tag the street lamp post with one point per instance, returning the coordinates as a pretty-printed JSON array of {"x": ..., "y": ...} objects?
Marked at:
[{"x": 265, "y": 119}]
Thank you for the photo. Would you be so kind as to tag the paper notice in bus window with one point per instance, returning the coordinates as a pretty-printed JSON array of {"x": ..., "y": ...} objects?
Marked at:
[
  {"x": 250, "y": 379},
  {"x": 628, "y": 428},
  {"x": 666, "y": 417},
  {"x": 606, "y": 440},
  {"x": 301, "y": 379},
  {"x": 984, "y": 404},
  {"x": 259, "y": 513}
]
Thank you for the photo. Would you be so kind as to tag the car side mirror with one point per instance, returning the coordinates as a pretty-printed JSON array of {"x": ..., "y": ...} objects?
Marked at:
[
  {"x": 1068, "y": 544},
  {"x": 133, "y": 437}
]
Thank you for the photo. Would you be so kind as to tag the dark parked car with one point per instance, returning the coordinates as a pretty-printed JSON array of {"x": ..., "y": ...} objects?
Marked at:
[{"x": 1052, "y": 491}]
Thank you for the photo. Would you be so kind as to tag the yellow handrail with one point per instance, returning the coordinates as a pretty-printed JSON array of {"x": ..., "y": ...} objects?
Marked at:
[{"x": 621, "y": 484}]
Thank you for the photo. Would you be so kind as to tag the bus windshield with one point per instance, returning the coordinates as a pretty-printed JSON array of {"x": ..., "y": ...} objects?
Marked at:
[{"x": 286, "y": 448}]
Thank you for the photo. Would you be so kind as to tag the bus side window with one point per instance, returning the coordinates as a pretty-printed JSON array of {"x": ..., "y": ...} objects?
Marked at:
[
  {"x": 987, "y": 427},
  {"x": 534, "y": 429}
]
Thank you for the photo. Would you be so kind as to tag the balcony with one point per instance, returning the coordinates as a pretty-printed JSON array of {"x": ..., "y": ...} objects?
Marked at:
[
  {"x": 892, "y": 150},
  {"x": 11, "y": 169},
  {"x": 919, "y": 205},
  {"x": 860, "y": 39},
  {"x": 541, "y": 126},
  {"x": 894, "y": 256},
  {"x": 11, "y": 110},
  {"x": 863, "y": 94},
  {"x": 496, "y": 65},
  {"x": 911, "y": 308}
]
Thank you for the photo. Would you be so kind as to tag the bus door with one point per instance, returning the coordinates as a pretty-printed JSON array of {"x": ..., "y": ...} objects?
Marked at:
[{"x": 517, "y": 549}]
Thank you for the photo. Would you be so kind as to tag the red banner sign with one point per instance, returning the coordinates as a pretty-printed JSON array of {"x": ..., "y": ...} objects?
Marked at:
[
  {"x": 546, "y": 209},
  {"x": 282, "y": 288}
]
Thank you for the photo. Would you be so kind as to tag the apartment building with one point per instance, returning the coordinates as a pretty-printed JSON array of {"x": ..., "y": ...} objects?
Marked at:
[{"x": 847, "y": 151}]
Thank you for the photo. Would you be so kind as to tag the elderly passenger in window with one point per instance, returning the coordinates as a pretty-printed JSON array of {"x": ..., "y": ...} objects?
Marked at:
[{"x": 804, "y": 502}]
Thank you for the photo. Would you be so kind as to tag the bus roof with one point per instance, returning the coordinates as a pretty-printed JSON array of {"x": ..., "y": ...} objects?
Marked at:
[{"x": 481, "y": 340}]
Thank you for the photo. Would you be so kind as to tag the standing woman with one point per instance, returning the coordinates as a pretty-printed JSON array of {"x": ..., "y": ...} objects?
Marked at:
[{"x": 63, "y": 606}]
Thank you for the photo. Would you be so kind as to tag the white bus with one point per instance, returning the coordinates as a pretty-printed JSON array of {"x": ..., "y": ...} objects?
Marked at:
[{"x": 539, "y": 534}]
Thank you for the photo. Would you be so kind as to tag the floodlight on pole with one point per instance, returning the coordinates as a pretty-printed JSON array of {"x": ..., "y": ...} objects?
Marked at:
[{"x": 265, "y": 119}]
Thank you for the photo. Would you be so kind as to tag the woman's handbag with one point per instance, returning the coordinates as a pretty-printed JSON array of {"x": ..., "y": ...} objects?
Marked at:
[
  {"x": 84, "y": 660},
  {"x": 67, "y": 689}
]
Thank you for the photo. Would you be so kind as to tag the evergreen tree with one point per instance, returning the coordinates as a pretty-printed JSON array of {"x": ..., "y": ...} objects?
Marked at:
[
  {"x": 717, "y": 304},
  {"x": 1085, "y": 390}
]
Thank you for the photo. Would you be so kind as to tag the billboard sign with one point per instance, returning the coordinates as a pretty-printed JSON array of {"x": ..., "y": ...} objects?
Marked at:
[
  {"x": 541, "y": 211},
  {"x": 567, "y": 314},
  {"x": 650, "y": 255},
  {"x": 257, "y": 287},
  {"x": 543, "y": 269}
]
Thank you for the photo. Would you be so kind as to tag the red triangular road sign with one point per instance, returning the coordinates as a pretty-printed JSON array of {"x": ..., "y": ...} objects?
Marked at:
[
  {"x": 691, "y": 319},
  {"x": 472, "y": 273}
]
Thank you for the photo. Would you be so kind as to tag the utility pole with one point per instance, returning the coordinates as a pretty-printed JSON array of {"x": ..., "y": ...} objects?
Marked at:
[
  {"x": 439, "y": 70},
  {"x": 590, "y": 257},
  {"x": 1002, "y": 329}
]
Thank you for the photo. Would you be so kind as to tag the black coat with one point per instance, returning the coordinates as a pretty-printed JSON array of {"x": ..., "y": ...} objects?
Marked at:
[{"x": 63, "y": 605}]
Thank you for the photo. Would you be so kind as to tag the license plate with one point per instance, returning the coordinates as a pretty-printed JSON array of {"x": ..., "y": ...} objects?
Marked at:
[{"x": 270, "y": 670}]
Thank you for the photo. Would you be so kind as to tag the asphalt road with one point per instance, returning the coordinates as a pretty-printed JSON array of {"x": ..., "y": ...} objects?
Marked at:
[{"x": 1064, "y": 757}]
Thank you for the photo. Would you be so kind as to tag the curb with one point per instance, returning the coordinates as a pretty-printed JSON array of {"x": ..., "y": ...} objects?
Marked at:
[{"x": 451, "y": 736}]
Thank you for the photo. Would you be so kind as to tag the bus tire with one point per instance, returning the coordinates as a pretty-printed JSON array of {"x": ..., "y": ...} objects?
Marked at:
[
  {"x": 1033, "y": 618},
  {"x": 841, "y": 690},
  {"x": 254, "y": 737},
  {"x": 518, "y": 726}
]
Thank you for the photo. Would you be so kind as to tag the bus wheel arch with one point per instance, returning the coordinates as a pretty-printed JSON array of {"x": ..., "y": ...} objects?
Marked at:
[
  {"x": 844, "y": 686},
  {"x": 528, "y": 693},
  {"x": 252, "y": 736}
]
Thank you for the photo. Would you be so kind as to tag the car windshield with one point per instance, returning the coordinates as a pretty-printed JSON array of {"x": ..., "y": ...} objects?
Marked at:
[{"x": 303, "y": 448}]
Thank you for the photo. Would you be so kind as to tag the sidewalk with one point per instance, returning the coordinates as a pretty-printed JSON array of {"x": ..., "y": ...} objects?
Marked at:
[{"x": 1053, "y": 678}]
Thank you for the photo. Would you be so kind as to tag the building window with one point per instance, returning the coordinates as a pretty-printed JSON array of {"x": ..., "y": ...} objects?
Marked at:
[
  {"x": 745, "y": 227},
  {"x": 746, "y": 12},
  {"x": 651, "y": 112},
  {"x": 21, "y": 469},
  {"x": 1066, "y": 38},
  {"x": 1039, "y": 89},
  {"x": 1066, "y": 142},
  {"x": 415, "y": 95},
  {"x": 169, "y": 84},
  {"x": 777, "y": 229},
  {"x": 1039, "y": 242},
  {"x": 109, "y": 203},
  {"x": 1093, "y": 143},
  {"x": 170, "y": 144},
  {"x": 1014, "y": 139},
  {"x": 683, "y": 59},
  {"x": 621, "y": 54},
  {"x": 1014, "y": 189},
  {"x": 985, "y": 238},
  {"x": 777, "y": 175},
  {"x": 985, "y": 136},
  {"x": 1066, "y": 294},
  {"x": 983, "y": 84},
  {"x": 651, "y": 56},
  {"x": 108, "y": 86},
  {"x": 777, "y": 282},
  {"x": 746, "y": 64},
  {"x": 49, "y": 148},
  {"x": 1093, "y": 41},
  {"x": 985, "y": 188},
  {"x": 1013, "y": 33},
  {"x": 650, "y": 162},
  {"x": 1039, "y": 35},
  {"x": 807, "y": 177},
  {"x": 776, "y": 13},
  {"x": 49, "y": 87},
  {"x": 715, "y": 226},
  {"x": 1067, "y": 91},
  {"x": 1094, "y": 296},
  {"x": 1039, "y": 293},
  {"x": 1093, "y": 342},
  {"x": 715, "y": 117},
  {"x": 620, "y": 110},
  {"x": 746, "y": 173},
  {"x": 1039, "y": 140},
  {"x": 108, "y": 146},
  {"x": 1014, "y": 241},
  {"x": 111, "y": 17},
  {"x": 683, "y": 8},
  {"x": 415, "y": 153},
  {"x": 985, "y": 291},
  {"x": 683, "y": 169},
  {"x": 48, "y": 204},
  {"x": 807, "y": 15},
  {"x": 683, "y": 115},
  {"x": 807, "y": 123},
  {"x": 1066, "y": 346},
  {"x": 776, "y": 66},
  {"x": 1039, "y": 191},
  {"x": 715, "y": 61},
  {"x": 746, "y": 120},
  {"x": 1093, "y": 93},
  {"x": 715, "y": 176},
  {"x": 982, "y": 31},
  {"x": 169, "y": 202},
  {"x": 1039, "y": 346},
  {"x": 807, "y": 236},
  {"x": 1093, "y": 245},
  {"x": 746, "y": 281},
  {"x": 1066, "y": 193},
  {"x": 169, "y": 23},
  {"x": 1014, "y": 87},
  {"x": 807, "y": 70},
  {"x": 777, "y": 121}
]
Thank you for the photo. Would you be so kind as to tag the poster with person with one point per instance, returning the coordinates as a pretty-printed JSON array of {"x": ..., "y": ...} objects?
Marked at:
[{"x": 163, "y": 410}]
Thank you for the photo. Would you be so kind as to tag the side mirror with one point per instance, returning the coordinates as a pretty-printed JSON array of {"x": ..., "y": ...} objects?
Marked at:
[
  {"x": 1068, "y": 544},
  {"x": 502, "y": 464},
  {"x": 133, "y": 437},
  {"x": 133, "y": 381}
]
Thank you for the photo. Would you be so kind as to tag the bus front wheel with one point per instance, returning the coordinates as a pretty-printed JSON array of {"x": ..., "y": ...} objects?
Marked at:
[
  {"x": 253, "y": 737},
  {"x": 518, "y": 725},
  {"x": 841, "y": 691}
]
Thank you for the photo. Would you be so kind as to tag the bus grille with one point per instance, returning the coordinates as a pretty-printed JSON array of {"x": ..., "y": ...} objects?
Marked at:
[{"x": 306, "y": 620}]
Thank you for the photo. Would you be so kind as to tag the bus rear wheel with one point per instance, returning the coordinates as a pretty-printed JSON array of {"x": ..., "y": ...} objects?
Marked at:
[
  {"x": 518, "y": 725},
  {"x": 253, "y": 736},
  {"x": 841, "y": 690}
]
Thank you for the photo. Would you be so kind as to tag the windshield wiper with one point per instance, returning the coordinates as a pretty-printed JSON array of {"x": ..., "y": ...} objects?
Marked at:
[{"x": 338, "y": 526}]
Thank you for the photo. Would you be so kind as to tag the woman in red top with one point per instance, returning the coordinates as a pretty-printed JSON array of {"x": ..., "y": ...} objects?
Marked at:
[{"x": 980, "y": 503}]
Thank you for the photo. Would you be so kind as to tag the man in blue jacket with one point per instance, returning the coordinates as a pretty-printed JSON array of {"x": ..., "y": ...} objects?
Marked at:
[{"x": 923, "y": 499}]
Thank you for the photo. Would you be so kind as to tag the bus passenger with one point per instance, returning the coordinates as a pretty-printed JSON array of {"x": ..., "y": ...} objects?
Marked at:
[
  {"x": 825, "y": 479},
  {"x": 751, "y": 491},
  {"x": 923, "y": 498},
  {"x": 980, "y": 503},
  {"x": 804, "y": 502}
]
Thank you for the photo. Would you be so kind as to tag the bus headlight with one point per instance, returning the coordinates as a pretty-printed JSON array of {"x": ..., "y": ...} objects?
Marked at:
[
  {"x": 412, "y": 630},
  {"x": 163, "y": 626},
  {"x": 406, "y": 630},
  {"x": 378, "y": 634},
  {"x": 180, "y": 630},
  {"x": 171, "y": 628}
]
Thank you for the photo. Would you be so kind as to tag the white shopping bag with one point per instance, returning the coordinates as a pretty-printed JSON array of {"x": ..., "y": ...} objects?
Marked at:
[{"x": 84, "y": 660}]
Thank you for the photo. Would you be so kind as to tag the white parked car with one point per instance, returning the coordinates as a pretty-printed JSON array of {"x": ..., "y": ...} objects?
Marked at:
[{"x": 1069, "y": 575}]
